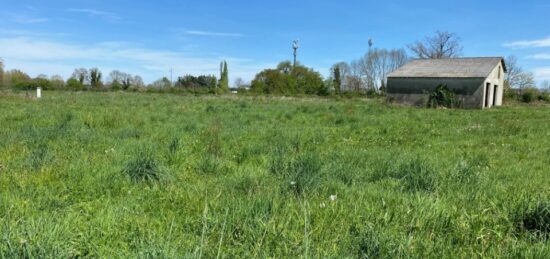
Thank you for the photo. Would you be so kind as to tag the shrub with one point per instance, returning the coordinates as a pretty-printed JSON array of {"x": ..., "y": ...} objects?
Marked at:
[
  {"x": 545, "y": 97},
  {"x": 443, "y": 97},
  {"x": 144, "y": 167},
  {"x": 74, "y": 84},
  {"x": 529, "y": 95}
]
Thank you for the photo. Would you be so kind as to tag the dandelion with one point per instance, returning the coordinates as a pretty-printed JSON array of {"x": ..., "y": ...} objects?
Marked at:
[{"x": 333, "y": 197}]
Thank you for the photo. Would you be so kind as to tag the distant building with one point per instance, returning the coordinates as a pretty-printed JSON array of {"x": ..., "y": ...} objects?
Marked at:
[{"x": 478, "y": 82}]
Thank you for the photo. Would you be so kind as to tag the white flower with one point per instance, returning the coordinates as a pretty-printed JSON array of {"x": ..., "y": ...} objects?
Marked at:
[
  {"x": 293, "y": 183},
  {"x": 333, "y": 197},
  {"x": 322, "y": 205}
]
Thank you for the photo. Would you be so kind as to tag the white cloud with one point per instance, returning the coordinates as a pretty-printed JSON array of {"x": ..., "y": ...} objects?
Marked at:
[
  {"x": 26, "y": 19},
  {"x": 111, "y": 17},
  {"x": 37, "y": 56},
  {"x": 529, "y": 43},
  {"x": 540, "y": 56},
  {"x": 212, "y": 34},
  {"x": 542, "y": 73}
]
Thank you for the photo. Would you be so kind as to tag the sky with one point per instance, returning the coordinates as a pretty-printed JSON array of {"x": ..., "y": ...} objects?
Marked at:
[{"x": 152, "y": 38}]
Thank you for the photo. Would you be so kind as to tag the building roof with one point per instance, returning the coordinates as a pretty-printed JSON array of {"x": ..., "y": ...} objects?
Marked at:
[{"x": 449, "y": 68}]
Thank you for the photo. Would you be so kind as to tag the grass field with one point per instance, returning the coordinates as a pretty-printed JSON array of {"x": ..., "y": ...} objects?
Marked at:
[{"x": 120, "y": 175}]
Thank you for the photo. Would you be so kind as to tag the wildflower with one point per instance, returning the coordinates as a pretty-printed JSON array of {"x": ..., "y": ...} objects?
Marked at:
[
  {"x": 322, "y": 205},
  {"x": 22, "y": 241},
  {"x": 293, "y": 183},
  {"x": 333, "y": 197}
]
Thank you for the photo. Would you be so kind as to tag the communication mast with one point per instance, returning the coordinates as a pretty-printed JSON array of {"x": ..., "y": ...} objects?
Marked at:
[{"x": 295, "y": 46}]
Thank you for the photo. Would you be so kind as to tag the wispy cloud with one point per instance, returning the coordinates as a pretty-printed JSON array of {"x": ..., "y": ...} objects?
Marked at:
[
  {"x": 540, "y": 56},
  {"x": 212, "y": 33},
  {"x": 539, "y": 43},
  {"x": 542, "y": 73},
  {"x": 38, "y": 56},
  {"x": 27, "y": 19},
  {"x": 108, "y": 16}
]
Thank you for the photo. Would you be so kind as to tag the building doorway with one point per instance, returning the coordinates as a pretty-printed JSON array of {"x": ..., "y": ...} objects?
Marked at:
[
  {"x": 487, "y": 91},
  {"x": 495, "y": 95}
]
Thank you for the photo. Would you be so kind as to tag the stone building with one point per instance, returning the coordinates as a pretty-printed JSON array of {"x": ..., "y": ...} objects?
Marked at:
[{"x": 477, "y": 82}]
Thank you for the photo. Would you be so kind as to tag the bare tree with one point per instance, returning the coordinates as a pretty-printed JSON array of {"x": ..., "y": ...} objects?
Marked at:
[
  {"x": 239, "y": 83},
  {"x": 137, "y": 82},
  {"x": 115, "y": 77},
  {"x": 354, "y": 79},
  {"x": 344, "y": 74},
  {"x": 1, "y": 72},
  {"x": 57, "y": 81},
  {"x": 442, "y": 45},
  {"x": 545, "y": 85},
  {"x": 82, "y": 75},
  {"x": 515, "y": 77}
]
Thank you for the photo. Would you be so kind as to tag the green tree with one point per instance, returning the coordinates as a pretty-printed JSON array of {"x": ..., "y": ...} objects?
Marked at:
[
  {"x": 95, "y": 78},
  {"x": 74, "y": 84},
  {"x": 337, "y": 81},
  {"x": 14, "y": 77},
  {"x": 224, "y": 77},
  {"x": 289, "y": 80}
]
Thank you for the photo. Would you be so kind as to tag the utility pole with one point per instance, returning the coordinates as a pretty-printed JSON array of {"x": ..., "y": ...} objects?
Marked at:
[{"x": 295, "y": 46}]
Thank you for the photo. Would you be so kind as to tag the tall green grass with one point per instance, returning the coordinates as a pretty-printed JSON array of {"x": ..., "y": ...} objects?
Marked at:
[{"x": 158, "y": 175}]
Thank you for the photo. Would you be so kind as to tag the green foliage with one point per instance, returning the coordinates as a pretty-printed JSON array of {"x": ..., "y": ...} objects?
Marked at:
[
  {"x": 192, "y": 82},
  {"x": 529, "y": 95},
  {"x": 74, "y": 84},
  {"x": 224, "y": 77},
  {"x": 95, "y": 78},
  {"x": 337, "y": 79},
  {"x": 289, "y": 80},
  {"x": 443, "y": 97}
]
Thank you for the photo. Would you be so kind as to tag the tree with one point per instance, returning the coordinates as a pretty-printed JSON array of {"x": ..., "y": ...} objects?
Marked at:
[
  {"x": 95, "y": 78},
  {"x": 1, "y": 72},
  {"x": 138, "y": 82},
  {"x": 337, "y": 81},
  {"x": 286, "y": 79},
  {"x": 515, "y": 77},
  {"x": 162, "y": 83},
  {"x": 224, "y": 77},
  {"x": 82, "y": 75},
  {"x": 545, "y": 85},
  {"x": 74, "y": 84},
  {"x": 57, "y": 82},
  {"x": 14, "y": 77},
  {"x": 441, "y": 45},
  {"x": 239, "y": 83},
  {"x": 370, "y": 72}
]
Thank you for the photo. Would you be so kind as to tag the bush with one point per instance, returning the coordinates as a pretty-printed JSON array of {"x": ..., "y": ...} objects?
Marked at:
[
  {"x": 74, "y": 84},
  {"x": 443, "y": 97},
  {"x": 529, "y": 95},
  {"x": 545, "y": 97}
]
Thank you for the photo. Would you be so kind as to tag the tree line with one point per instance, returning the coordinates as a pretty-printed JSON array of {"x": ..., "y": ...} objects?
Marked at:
[{"x": 364, "y": 75}]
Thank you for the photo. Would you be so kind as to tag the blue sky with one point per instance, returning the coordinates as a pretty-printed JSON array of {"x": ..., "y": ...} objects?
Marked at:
[{"x": 192, "y": 37}]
